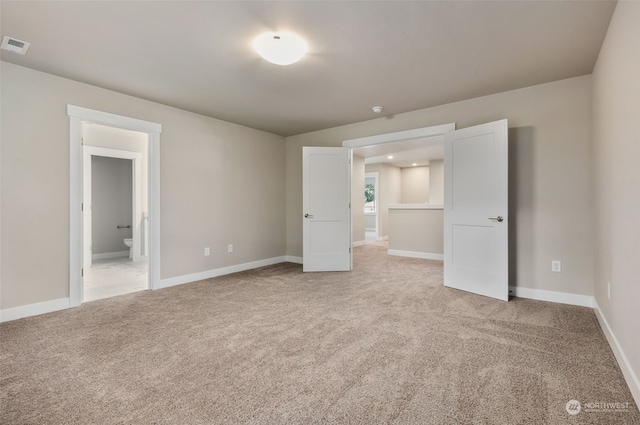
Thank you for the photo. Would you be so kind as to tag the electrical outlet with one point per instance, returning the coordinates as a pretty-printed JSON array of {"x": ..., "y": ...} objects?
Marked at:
[
  {"x": 609, "y": 290},
  {"x": 207, "y": 252},
  {"x": 556, "y": 266},
  {"x": 230, "y": 248}
]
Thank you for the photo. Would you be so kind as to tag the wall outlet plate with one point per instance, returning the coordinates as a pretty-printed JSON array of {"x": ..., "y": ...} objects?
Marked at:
[
  {"x": 207, "y": 251},
  {"x": 556, "y": 266},
  {"x": 230, "y": 248}
]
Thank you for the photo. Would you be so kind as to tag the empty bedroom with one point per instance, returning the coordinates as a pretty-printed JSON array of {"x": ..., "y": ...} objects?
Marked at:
[{"x": 372, "y": 212}]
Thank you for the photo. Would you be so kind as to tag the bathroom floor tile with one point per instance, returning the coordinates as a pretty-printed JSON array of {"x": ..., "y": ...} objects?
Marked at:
[{"x": 115, "y": 276}]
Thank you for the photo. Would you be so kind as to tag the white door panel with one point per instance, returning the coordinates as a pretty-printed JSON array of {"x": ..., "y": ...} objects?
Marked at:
[
  {"x": 473, "y": 188},
  {"x": 326, "y": 182},
  {"x": 475, "y": 208}
]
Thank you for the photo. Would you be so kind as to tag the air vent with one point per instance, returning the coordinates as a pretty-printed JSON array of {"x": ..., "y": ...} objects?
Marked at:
[{"x": 14, "y": 45}]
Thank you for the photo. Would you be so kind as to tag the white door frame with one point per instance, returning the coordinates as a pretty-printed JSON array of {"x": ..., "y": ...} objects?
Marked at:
[
  {"x": 375, "y": 175},
  {"x": 136, "y": 219},
  {"x": 399, "y": 136},
  {"x": 78, "y": 115}
]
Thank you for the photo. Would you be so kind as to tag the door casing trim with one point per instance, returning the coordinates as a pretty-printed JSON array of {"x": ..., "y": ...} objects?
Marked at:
[{"x": 77, "y": 115}]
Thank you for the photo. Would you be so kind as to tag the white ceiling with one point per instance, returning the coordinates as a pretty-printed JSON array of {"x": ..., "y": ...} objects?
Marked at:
[
  {"x": 420, "y": 157},
  {"x": 405, "y": 153},
  {"x": 403, "y": 55}
]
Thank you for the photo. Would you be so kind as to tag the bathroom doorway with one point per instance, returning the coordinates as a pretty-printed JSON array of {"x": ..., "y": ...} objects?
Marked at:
[
  {"x": 80, "y": 118},
  {"x": 115, "y": 205}
]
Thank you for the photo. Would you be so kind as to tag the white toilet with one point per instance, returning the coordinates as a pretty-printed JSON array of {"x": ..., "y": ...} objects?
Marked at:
[{"x": 129, "y": 243}]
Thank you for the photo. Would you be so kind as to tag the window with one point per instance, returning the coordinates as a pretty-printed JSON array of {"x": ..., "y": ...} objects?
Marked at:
[{"x": 369, "y": 198}]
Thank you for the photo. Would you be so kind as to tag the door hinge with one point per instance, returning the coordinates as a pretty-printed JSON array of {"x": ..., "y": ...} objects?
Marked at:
[
  {"x": 82, "y": 206},
  {"x": 82, "y": 140},
  {"x": 81, "y": 272},
  {"x": 349, "y": 250},
  {"x": 349, "y": 205}
]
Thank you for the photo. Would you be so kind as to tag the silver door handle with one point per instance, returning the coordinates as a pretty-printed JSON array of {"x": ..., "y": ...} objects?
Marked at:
[
  {"x": 308, "y": 216},
  {"x": 499, "y": 219}
]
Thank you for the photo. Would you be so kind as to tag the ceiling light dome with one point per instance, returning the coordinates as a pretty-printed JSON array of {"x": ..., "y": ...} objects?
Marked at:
[{"x": 281, "y": 48}]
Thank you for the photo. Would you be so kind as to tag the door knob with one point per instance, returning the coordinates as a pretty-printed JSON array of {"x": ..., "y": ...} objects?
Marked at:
[
  {"x": 308, "y": 216},
  {"x": 499, "y": 219}
]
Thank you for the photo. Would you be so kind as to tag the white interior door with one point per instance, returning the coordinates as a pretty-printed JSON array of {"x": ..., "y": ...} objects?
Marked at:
[
  {"x": 475, "y": 210},
  {"x": 326, "y": 203}
]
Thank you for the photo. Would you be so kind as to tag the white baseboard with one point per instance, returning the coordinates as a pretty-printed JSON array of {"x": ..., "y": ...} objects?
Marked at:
[
  {"x": 588, "y": 301},
  {"x": 359, "y": 243},
  {"x": 64, "y": 303},
  {"x": 106, "y": 255},
  {"x": 293, "y": 259},
  {"x": 629, "y": 375},
  {"x": 36, "y": 309},
  {"x": 179, "y": 280},
  {"x": 415, "y": 254},
  {"x": 552, "y": 296}
]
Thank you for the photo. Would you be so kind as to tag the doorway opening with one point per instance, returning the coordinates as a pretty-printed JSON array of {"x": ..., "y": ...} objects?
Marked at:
[
  {"x": 115, "y": 212},
  {"x": 80, "y": 120},
  {"x": 389, "y": 156},
  {"x": 469, "y": 230}
]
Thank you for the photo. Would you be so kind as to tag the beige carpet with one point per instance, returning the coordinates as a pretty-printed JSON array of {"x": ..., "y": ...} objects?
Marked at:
[{"x": 386, "y": 343}]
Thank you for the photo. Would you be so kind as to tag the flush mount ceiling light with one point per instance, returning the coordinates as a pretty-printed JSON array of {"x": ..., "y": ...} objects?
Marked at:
[
  {"x": 377, "y": 109},
  {"x": 281, "y": 48}
]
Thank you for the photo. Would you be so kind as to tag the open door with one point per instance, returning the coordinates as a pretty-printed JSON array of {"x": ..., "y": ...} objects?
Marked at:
[
  {"x": 475, "y": 210},
  {"x": 326, "y": 203}
]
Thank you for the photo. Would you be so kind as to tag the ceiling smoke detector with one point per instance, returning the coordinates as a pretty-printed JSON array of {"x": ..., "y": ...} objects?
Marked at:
[
  {"x": 377, "y": 109},
  {"x": 14, "y": 45}
]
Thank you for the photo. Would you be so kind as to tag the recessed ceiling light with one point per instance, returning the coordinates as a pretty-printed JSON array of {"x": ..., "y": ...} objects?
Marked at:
[
  {"x": 414, "y": 164},
  {"x": 280, "y": 48},
  {"x": 390, "y": 157},
  {"x": 377, "y": 109}
]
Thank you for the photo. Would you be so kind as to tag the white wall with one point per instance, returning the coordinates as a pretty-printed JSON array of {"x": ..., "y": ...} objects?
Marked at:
[
  {"x": 221, "y": 183},
  {"x": 551, "y": 202},
  {"x": 616, "y": 159},
  {"x": 111, "y": 203},
  {"x": 417, "y": 232},
  {"x": 415, "y": 185},
  {"x": 436, "y": 182}
]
